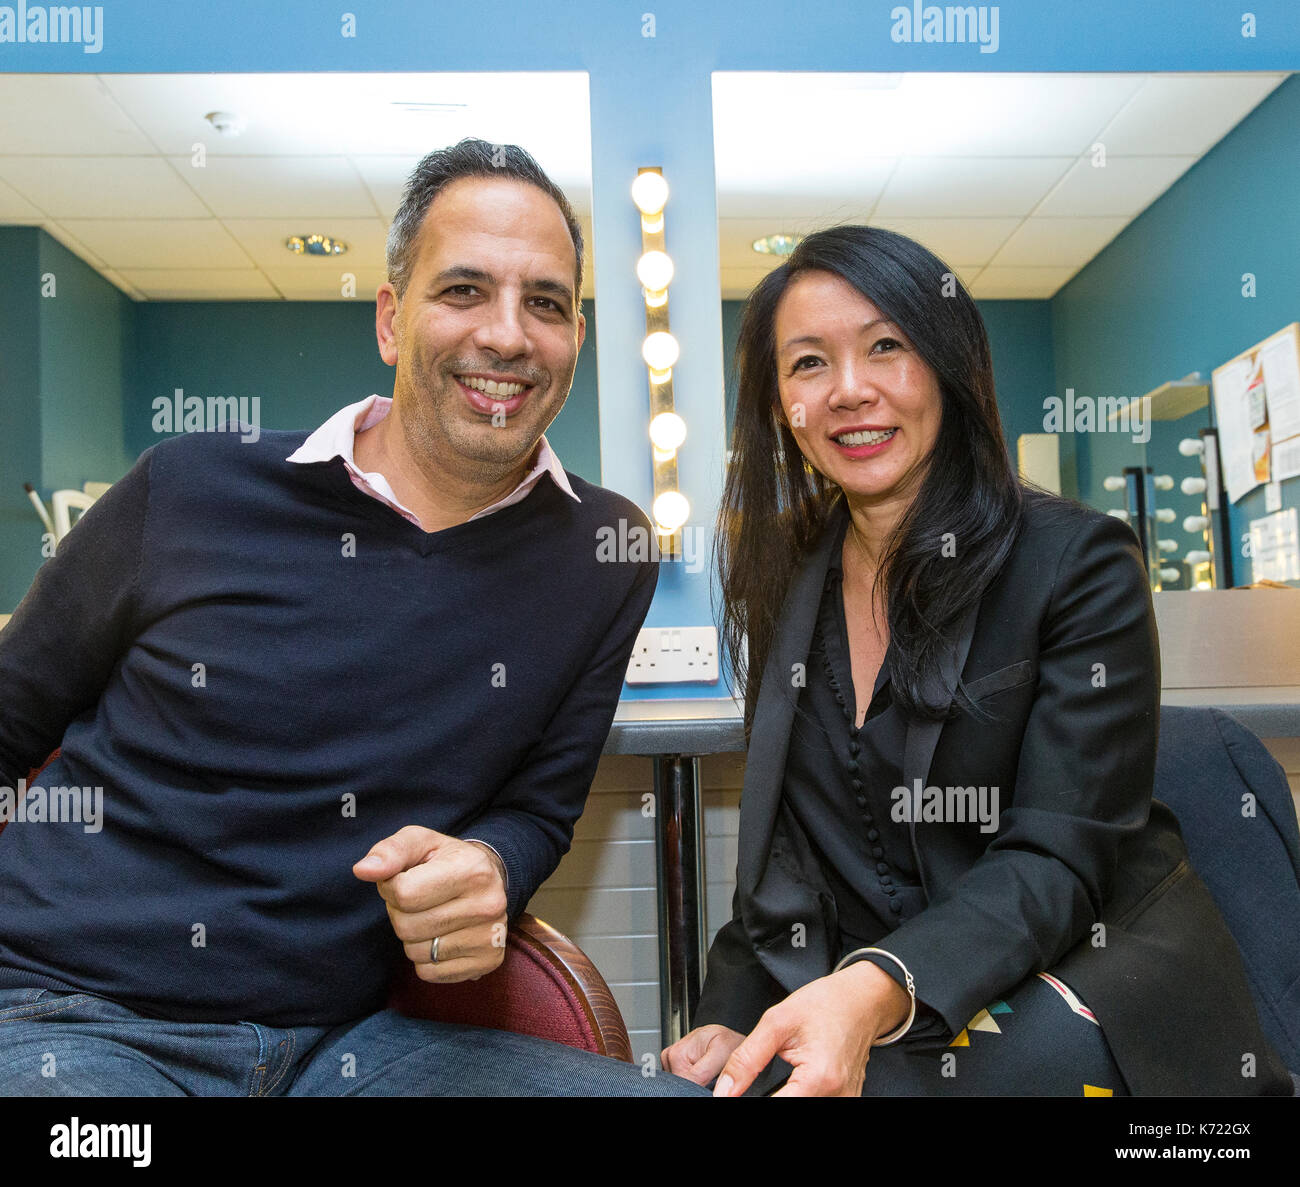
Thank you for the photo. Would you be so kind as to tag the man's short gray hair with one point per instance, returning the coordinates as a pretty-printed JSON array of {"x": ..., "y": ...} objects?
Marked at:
[{"x": 469, "y": 158}]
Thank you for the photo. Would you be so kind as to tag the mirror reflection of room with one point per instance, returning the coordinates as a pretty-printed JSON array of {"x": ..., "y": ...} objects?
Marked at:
[
  {"x": 209, "y": 248},
  {"x": 1097, "y": 221}
]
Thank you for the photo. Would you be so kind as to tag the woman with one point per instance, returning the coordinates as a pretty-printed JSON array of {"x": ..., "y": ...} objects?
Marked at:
[{"x": 915, "y": 847}]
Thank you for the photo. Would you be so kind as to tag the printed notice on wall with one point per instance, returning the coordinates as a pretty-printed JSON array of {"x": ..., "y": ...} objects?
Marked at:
[
  {"x": 1286, "y": 459},
  {"x": 1236, "y": 433},
  {"x": 1275, "y": 547},
  {"x": 1257, "y": 412},
  {"x": 1280, "y": 362}
]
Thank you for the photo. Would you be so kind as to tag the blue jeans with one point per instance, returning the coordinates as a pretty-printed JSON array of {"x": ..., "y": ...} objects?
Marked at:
[{"x": 77, "y": 1044}]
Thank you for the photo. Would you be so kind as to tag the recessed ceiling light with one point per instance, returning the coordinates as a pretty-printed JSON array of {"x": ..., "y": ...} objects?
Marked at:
[
  {"x": 777, "y": 245},
  {"x": 315, "y": 245},
  {"x": 226, "y": 122}
]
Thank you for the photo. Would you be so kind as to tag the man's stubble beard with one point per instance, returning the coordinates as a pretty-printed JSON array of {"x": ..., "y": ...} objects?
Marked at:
[{"x": 435, "y": 420}]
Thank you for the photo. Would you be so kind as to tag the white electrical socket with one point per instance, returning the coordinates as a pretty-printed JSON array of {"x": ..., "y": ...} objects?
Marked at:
[{"x": 673, "y": 654}]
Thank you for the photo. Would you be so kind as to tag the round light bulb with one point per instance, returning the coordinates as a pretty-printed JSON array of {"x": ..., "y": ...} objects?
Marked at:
[
  {"x": 1193, "y": 486},
  {"x": 1165, "y": 515},
  {"x": 1167, "y": 545},
  {"x": 1162, "y": 482},
  {"x": 670, "y": 511},
  {"x": 1114, "y": 482},
  {"x": 1191, "y": 446},
  {"x": 650, "y": 192},
  {"x": 667, "y": 431},
  {"x": 660, "y": 351},
  {"x": 1170, "y": 575},
  {"x": 1196, "y": 523},
  {"x": 1197, "y": 557},
  {"x": 655, "y": 271}
]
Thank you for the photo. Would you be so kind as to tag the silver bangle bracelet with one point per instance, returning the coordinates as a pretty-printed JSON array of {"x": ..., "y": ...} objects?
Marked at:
[{"x": 856, "y": 955}]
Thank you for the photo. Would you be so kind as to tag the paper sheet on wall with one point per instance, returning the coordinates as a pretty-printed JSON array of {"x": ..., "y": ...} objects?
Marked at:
[
  {"x": 1236, "y": 433},
  {"x": 1281, "y": 370},
  {"x": 1257, "y": 401},
  {"x": 1286, "y": 459},
  {"x": 1275, "y": 547}
]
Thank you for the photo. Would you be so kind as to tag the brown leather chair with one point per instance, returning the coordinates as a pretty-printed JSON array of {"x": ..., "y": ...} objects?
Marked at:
[{"x": 546, "y": 987}]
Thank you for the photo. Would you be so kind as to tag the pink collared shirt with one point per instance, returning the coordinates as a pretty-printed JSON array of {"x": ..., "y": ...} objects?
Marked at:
[{"x": 337, "y": 438}]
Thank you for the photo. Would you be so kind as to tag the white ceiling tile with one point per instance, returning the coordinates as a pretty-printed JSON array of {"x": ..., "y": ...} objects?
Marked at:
[
  {"x": 845, "y": 195},
  {"x": 955, "y": 161},
  {"x": 102, "y": 187},
  {"x": 738, "y": 281},
  {"x": 748, "y": 229},
  {"x": 951, "y": 187},
  {"x": 263, "y": 239},
  {"x": 799, "y": 208},
  {"x": 832, "y": 118},
  {"x": 120, "y": 281},
  {"x": 385, "y": 177},
  {"x": 1003, "y": 115},
  {"x": 736, "y": 286},
  {"x": 321, "y": 114},
  {"x": 220, "y": 284},
  {"x": 1019, "y": 283},
  {"x": 159, "y": 243},
  {"x": 64, "y": 114},
  {"x": 14, "y": 208},
  {"x": 1057, "y": 242},
  {"x": 736, "y": 237},
  {"x": 326, "y": 283},
  {"x": 1183, "y": 114},
  {"x": 1124, "y": 186},
  {"x": 960, "y": 242},
  {"x": 279, "y": 187},
  {"x": 281, "y": 114},
  {"x": 74, "y": 243},
  {"x": 756, "y": 270}
]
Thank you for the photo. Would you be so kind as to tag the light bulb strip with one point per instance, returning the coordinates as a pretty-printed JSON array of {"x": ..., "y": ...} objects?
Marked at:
[{"x": 660, "y": 383}]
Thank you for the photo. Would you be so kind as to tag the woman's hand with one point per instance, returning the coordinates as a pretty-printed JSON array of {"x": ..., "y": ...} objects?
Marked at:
[
  {"x": 824, "y": 1031},
  {"x": 700, "y": 1055}
]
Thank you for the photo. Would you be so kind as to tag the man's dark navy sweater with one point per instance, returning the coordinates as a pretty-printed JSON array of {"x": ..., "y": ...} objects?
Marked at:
[{"x": 267, "y": 671}]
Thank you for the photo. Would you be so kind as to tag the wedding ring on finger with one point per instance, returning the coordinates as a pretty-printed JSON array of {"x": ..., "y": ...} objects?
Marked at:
[{"x": 433, "y": 951}]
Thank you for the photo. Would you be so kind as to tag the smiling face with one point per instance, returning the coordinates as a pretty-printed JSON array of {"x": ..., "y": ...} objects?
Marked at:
[
  {"x": 862, "y": 404},
  {"x": 486, "y": 338}
]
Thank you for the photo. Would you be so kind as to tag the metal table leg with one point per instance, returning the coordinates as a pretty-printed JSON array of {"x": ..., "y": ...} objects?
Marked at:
[{"x": 679, "y": 849}]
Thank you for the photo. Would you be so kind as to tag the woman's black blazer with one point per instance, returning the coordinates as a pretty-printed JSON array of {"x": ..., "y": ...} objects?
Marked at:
[{"x": 1085, "y": 876}]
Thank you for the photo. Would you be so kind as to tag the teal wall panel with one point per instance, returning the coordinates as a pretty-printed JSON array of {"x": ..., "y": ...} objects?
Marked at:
[
  {"x": 20, "y": 420},
  {"x": 1166, "y": 297}
]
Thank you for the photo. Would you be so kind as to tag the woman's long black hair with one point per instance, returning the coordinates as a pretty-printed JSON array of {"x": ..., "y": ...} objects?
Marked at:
[{"x": 775, "y": 506}]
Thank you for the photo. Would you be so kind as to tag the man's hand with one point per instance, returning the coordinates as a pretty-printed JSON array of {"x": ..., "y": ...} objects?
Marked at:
[
  {"x": 824, "y": 1031},
  {"x": 700, "y": 1055},
  {"x": 436, "y": 885}
]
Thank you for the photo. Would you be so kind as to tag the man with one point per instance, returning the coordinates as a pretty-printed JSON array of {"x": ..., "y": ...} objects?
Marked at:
[{"x": 388, "y": 643}]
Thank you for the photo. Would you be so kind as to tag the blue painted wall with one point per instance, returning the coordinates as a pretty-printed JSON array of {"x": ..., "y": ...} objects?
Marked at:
[
  {"x": 1165, "y": 298},
  {"x": 65, "y": 352},
  {"x": 20, "y": 422},
  {"x": 86, "y": 345}
]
